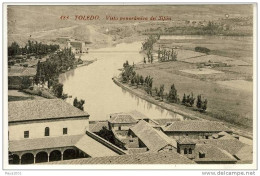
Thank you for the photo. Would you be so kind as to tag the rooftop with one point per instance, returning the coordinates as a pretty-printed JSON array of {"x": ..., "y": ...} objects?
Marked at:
[
  {"x": 152, "y": 138},
  {"x": 144, "y": 158},
  {"x": 121, "y": 118},
  {"x": 42, "y": 110},
  {"x": 83, "y": 142},
  {"x": 42, "y": 143},
  {"x": 196, "y": 125},
  {"x": 212, "y": 154},
  {"x": 185, "y": 140},
  {"x": 232, "y": 146}
]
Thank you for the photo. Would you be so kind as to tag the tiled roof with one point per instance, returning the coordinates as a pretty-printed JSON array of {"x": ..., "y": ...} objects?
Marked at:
[
  {"x": 122, "y": 118},
  {"x": 42, "y": 143},
  {"x": 144, "y": 158},
  {"x": 245, "y": 154},
  {"x": 21, "y": 71},
  {"x": 98, "y": 126},
  {"x": 195, "y": 125},
  {"x": 152, "y": 138},
  {"x": 232, "y": 146},
  {"x": 137, "y": 115},
  {"x": 93, "y": 148},
  {"x": 185, "y": 140},
  {"x": 212, "y": 153},
  {"x": 83, "y": 142},
  {"x": 132, "y": 151},
  {"x": 165, "y": 121},
  {"x": 41, "y": 110}
]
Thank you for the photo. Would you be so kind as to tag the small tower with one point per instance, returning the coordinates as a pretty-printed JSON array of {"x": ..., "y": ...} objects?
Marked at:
[{"x": 186, "y": 146}]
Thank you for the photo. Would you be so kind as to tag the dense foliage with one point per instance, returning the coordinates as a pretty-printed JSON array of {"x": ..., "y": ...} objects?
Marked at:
[{"x": 31, "y": 47}]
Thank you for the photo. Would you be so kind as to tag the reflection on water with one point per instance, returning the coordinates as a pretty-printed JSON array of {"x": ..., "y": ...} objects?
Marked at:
[{"x": 94, "y": 84}]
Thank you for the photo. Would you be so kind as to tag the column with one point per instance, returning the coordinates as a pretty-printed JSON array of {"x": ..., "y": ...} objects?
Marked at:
[
  {"x": 61, "y": 155},
  {"x": 20, "y": 159},
  {"x": 48, "y": 156},
  {"x": 34, "y": 159}
]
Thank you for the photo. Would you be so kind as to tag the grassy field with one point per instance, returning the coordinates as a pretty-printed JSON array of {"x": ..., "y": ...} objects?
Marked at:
[{"x": 229, "y": 90}]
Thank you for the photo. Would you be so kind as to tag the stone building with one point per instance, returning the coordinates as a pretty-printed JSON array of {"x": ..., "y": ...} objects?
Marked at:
[
  {"x": 195, "y": 129},
  {"x": 52, "y": 130}
]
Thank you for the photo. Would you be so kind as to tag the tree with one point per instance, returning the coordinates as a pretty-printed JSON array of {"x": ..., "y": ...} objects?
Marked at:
[
  {"x": 79, "y": 104},
  {"x": 126, "y": 64},
  {"x": 199, "y": 102},
  {"x": 58, "y": 90},
  {"x": 106, "y": 134},
  {"x": 161, "y": 91},
  {"x": 141, "y": 80},
  {"x": 173, "y": 97},
  {"x": 204, "y": 105},
  {"x": 157, "y": 91},
  {"x": 132, "y": 81},
  {"x": 137, "y": 80},
  {"x": 183, "y": 99}
]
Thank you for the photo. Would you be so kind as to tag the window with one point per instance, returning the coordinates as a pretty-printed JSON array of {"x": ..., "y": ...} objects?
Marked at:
[
  {"x": 65, "y": 131},
  {"x": 131, "y": 140},
  {"x": 119, "y": 128},
  {"x": 26, "y": 134},
  {"x": 190, "y": 151},
  {"x": 47, "y": 131},
  {"x": 207, "y": 137},
  {"x": 201, "y": 155},
  {"x": 185, "y": 151}
]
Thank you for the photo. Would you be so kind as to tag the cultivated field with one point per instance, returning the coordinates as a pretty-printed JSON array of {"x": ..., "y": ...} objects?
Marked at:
[{"x": 228, "y": 89}]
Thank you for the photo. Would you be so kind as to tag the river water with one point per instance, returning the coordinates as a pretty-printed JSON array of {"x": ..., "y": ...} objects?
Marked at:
[{"x": 102, "y": 96}]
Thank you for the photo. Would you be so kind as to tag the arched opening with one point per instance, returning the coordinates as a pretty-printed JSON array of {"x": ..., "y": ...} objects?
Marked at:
[
  {"x": 190, "y": 151},
  {"x": 15, "y": 159},
  {"x": 47, "y": 131},
  {"x": 69, "y": 154},
  {"x": 185, "y": 151},
  {"x": 41, "y": 157},
  {"x": 55, "y": 155},
  {"x": 27, "y": 158}
]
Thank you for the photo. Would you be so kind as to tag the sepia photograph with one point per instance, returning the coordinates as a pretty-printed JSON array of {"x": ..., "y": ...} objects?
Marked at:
[{"x": 131, "y": 86}]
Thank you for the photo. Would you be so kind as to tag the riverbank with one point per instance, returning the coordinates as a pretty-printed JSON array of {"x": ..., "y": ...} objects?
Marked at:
[{"x": 182, "y": 110}]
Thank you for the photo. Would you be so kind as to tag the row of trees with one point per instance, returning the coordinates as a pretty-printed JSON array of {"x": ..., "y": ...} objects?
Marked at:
[
  {"x": 129, "y": 75},
  {"x": 167, "y": 55},
  {"x": 31, "y": 47}
]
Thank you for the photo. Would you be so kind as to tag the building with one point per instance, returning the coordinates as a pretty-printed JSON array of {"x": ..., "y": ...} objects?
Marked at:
[
  {"x": 241, "y": 151},
  {"x": 76, "y": 46},
  {"x": 204, "y": 152},
  {"x": 195, "y": 129},
  {"x": 121, "y": 121},
  {"x": 151, "y": 138},
  {"x": 51, "y": 130},
  {"x": 170, "y": 157},
  {"x": 42, "y": 118},
  {"x": 210, "y": 154},
  {"x": 20, "y": 77}
]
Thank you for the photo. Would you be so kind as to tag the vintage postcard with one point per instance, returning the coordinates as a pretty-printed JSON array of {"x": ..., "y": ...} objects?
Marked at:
[{"x": 136, "y": 86}]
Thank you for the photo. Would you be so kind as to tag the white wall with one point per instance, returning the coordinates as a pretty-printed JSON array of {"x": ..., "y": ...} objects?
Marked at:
[{"x": 37, "y": 130}]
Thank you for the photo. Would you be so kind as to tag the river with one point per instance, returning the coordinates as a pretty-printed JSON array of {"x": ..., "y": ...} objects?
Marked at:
[{"x": 94, "y": 84}]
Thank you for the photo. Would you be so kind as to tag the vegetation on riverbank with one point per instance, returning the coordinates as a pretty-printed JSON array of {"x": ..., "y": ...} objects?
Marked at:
[{"x": 129, "y": 76}]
